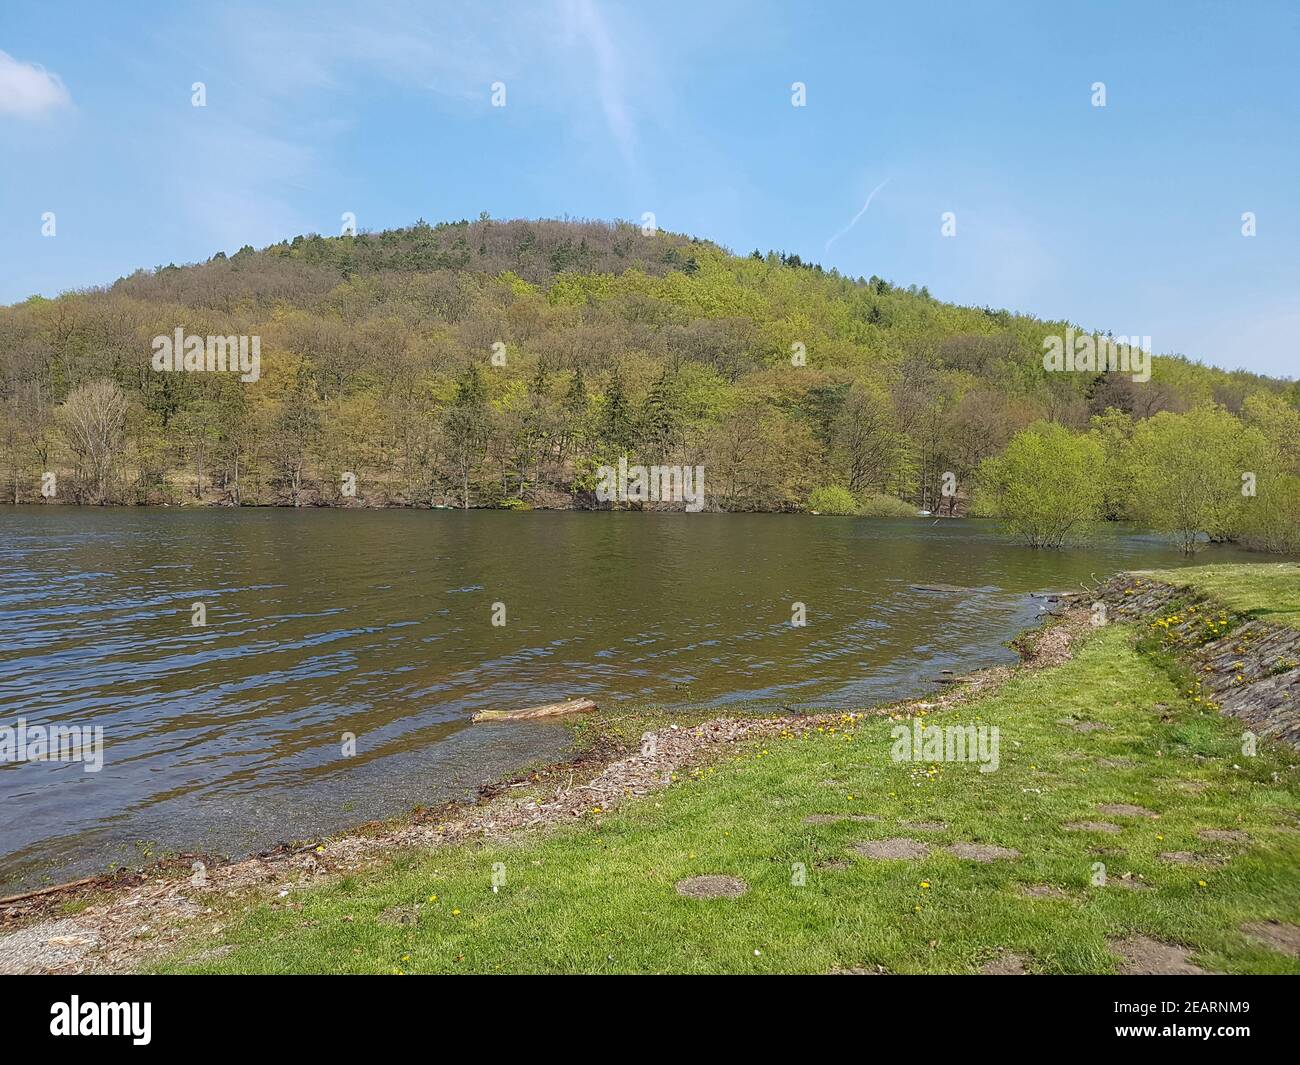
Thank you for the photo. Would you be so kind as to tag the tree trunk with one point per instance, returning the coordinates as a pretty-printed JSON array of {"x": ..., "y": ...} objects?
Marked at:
[{"x": 572, "y": 706}]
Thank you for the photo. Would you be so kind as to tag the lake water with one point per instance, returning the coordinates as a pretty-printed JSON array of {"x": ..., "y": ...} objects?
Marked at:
[{"x": 228, "y": 737}]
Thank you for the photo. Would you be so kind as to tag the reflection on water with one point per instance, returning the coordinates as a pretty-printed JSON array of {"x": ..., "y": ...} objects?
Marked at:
[{"x": 379, "y": 623}]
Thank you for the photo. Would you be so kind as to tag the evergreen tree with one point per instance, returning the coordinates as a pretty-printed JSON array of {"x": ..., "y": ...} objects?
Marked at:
[
  {"x": 616, "y": 428},
  {"x": 467, "y": 424}
]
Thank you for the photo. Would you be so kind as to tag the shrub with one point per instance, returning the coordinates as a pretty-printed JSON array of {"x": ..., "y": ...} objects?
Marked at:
[
  {"x": 833, "y": 500},
  {"x": 883, "y": 506}
]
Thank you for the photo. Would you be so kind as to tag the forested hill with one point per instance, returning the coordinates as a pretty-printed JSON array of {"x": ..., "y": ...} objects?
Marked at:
[{"x": 381, "y": 356}]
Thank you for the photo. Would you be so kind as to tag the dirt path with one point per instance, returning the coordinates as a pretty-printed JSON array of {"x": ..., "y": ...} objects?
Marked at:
[{"x": 117, "y": 925}]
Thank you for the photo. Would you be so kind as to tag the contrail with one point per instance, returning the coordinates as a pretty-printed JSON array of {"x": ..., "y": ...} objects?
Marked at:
[{"x": 858, "y": 215}]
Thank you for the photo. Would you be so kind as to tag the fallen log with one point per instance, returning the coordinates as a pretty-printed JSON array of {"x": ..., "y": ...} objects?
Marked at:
[
  {"x": 572, "y": 706},
  {"x": 10, "y": 900}
]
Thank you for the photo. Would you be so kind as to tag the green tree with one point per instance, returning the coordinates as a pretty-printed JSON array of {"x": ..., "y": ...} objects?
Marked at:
[
  {"x": 467, "y": 425},
  {"x": 1271, "y": 520},
  {"x": 199, "y": 429},
  {"x": 1279, "y": 421},
  {"x": 1188, "y": 473},
  {"x": 1045, "y": 486},
  {"x": 616, "y": 432},
  {"x": 661, "y": 422},
  {"x": 864, "y": 442},
  {"x": 1113, "y": 430},
  {"x": 574, "y": 418}
]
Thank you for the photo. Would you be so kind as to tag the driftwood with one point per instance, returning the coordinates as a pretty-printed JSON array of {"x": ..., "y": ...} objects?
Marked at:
[
  {"x": 9, "y": 900},
  {"x": 573, "y": 706}
]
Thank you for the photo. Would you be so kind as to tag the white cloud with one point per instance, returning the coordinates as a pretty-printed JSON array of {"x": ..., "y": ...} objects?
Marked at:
[
  {"x": 860, "y": 213},
  {"x": 292, "y": 57},
  {"x": 587, "y": 23},
  {"x": 28, "y": 90}
]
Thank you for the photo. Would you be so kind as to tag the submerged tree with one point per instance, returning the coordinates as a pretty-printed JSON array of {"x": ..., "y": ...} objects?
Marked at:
[
  {"x": 1189, "y": 473},
  {"x": 1045, "y": 486}
]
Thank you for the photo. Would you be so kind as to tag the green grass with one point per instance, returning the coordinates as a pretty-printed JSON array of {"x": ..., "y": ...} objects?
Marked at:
[
  {"x": 599, "y": 897},
  {"x": 1267, "y": 590}
]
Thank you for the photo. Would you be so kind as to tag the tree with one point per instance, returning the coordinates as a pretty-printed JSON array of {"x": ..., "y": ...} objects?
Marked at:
[
  {"x": 541, "y": 424},
  {"x": 199, "y": 429},
  {"x": 366, "y": 340},
  {"x": 1279, "y": 421},
  {"x": 757, "y": 460},
  {"x": 661, "y": 422},
  {"x": 864, "y": 441},
  {"x": 576, "y": 412},
  {"x": 1188, "y": 473},
  {"x": 981, "y": 424},
  {"x": 294, "y": 432},
  {"x": 11, "y": 443},
  {"x": 1044, "y": 486},
  {"x": 467, "y": 424},
  {"x": 1113, "y": 430},
  {"x": 93, "y": 418},
  {"x": 1271, "y": 520},
  {"x": 616, "y": 431}
]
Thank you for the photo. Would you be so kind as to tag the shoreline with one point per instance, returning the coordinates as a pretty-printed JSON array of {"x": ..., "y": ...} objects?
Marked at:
[
  {"x": 597, "y": 508},
  {"x": 93, "y": 925},
  {"x": 601, "y": 766}
]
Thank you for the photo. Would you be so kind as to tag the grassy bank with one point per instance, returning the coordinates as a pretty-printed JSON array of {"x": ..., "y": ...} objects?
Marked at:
[
  {"x": 1108, "y": 727},
  {"x": 1268, "y": 591}
]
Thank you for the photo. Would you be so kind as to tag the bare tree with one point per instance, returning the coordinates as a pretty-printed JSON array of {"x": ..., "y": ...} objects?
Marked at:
[
  {"x": 864, "y": 441},
  {"x": 93, "y": 419},
  {"x": 295, "y": 432},
  {"x": 26, "y": 436}
]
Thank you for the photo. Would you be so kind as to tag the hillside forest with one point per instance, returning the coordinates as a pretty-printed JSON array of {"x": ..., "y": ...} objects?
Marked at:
[{"x": 502, "y": 363}]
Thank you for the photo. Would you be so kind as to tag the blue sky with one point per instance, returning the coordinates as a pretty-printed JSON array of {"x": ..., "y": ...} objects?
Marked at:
[{"x": 1126, "y": 217}]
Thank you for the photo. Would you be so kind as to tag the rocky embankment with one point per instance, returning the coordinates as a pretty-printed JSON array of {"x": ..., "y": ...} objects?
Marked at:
[{"x": 1243, "y": 666}]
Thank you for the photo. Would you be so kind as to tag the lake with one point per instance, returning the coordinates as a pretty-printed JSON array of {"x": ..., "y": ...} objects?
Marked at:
[{"x": 379, "y": 623}]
